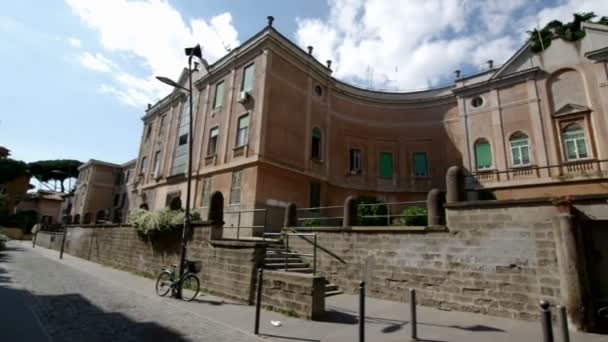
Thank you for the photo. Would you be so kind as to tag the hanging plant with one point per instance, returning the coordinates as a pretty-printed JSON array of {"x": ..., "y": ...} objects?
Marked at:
[{"x": 164, "y": 220}]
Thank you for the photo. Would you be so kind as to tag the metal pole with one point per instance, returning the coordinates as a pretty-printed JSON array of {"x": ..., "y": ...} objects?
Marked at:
[
  {"x": 186, "y": 227},
  {"x": 413, "y": 319},
  {"x": 286, "y": 255},
  {"x": 545, "y": 320},
  {"x": 563, "y": 323},
  {"x": 314, "y": 257},
  {"x": 65, "y": 230},
  {"x": 362, "y": 311},
  {"x": 258, "y": 301},
  {"x": 238, "y": 225},
  {"x": 265, "y": 220}
]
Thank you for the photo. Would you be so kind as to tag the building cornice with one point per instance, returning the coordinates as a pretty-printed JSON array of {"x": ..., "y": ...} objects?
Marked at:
[
  {"x": 598, "y": 55},
  {"x": 501, "y": 82}
]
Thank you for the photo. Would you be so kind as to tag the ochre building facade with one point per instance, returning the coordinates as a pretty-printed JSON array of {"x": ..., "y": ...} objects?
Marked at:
[{"x": 272, "y": 126}]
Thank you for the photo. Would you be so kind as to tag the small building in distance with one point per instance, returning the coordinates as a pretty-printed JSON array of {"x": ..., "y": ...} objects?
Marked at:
[{"x": 46, "y": 205}]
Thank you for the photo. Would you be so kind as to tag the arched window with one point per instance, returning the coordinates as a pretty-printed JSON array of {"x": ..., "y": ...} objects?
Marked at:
[
  {"x": 87, "y": 218},
  {"x": 483, "y": 154},
  {"x": 575, "y": 142},
  {"x": 520, "y": 149},
  {"x": 77, "y": 219},
  {"x": 315, "y": 152}
]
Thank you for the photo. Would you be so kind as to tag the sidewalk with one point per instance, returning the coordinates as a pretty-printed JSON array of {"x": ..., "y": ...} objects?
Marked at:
[{"x": 385, "y": 320}]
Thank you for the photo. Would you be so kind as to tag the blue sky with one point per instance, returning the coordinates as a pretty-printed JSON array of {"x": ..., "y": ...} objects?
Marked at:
[{"x": 77, "y": 74}]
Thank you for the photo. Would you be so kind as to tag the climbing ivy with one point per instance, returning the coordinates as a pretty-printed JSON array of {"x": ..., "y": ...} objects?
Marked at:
[{"x": 572, "y": 31}]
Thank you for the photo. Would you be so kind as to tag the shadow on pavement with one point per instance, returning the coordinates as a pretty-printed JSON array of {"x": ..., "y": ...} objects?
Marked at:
[
  {"x": 290, "y": 338},
  {"x": 71, "y": 317}
]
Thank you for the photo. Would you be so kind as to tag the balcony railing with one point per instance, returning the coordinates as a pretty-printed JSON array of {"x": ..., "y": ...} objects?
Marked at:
[{"x": 551, "y": 173}]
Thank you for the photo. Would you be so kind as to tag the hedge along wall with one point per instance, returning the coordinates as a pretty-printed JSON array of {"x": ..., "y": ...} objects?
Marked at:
[
  {"x": 496, "y": 261},
  {"x": 228, "y": 268}
]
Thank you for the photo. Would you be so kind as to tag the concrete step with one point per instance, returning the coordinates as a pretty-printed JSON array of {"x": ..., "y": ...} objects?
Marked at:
[
  {"x": 290, "y": 266},
  {"x": 276, "y": 259},
  {"x": 332, "y": 293},
  {"x": 300, "y": 270},
  {"x": 331, "y": 287}
]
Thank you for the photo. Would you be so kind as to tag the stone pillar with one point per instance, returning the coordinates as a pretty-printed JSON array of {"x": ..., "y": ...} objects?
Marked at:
[
  {"x": 350, "y": 212},
  {"x": 291, "y": 216},
  {"x": 454, "y": 184},
  {"x": 216, "y": 215},
  {"x": 571, "y": 264},
  {"x": 434, "y": 206}
]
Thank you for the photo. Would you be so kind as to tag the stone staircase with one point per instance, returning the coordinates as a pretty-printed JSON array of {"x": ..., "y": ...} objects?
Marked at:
[{"x": 275, "y": 260}]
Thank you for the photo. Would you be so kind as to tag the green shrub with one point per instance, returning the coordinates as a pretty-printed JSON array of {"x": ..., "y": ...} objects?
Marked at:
[
  {"x": 313, "y": 222},
  {"x": 150, "y": 222},
  {"x": 3, "y": 240},
  {"x": 414, "y": 216},
  {"x": 364, "y": 212}
]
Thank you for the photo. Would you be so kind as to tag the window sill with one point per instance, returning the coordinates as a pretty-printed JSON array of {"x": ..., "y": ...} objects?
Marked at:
[
  {"x": 522, "y": 167},
  {"x": 489, "y": 170},
  {"x": 319, "y": 161},
  {"x": 211, "y": 160},
  {"x": 354, "y": 173},
  {"x": 578, "y": 161},
  {"x": 422, "y": 177},
  {"x": 240, "y": 151}
]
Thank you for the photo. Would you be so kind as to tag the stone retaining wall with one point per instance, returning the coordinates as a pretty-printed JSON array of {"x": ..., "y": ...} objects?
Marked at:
[
  {"x": 228, "y": 268},
  {"x": 496, "y": 261},
  {"x": 296, "y": 294},
  {"x": 49, "y": 240}
]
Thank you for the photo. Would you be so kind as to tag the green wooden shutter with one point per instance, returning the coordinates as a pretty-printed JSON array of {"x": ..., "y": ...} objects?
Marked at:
[
  {"x": 483, "y": 155},
  {"x": 386, "y": 165},
  {"x": 248, "y": 78},
  {"x": 420, "y": 164}
]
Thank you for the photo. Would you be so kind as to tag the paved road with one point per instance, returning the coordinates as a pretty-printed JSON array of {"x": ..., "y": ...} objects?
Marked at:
[{"x": 45, "y": 300}]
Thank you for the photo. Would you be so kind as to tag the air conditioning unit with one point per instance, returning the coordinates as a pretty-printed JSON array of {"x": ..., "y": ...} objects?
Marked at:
[{"x": 243, "y": 97}]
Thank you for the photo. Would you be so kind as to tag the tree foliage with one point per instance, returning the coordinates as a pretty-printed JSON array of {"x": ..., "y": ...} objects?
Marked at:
[
  {"x": 151, "y": 222},
  {"x": 10, "y": 169},
  {"x": 59, "y": 170},
  {"x": 572, "y": 31},
  {"x": 371, "y": 211}
]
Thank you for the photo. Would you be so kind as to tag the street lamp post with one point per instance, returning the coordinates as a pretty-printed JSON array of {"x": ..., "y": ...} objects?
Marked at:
[{"x": 190, "y": 52}]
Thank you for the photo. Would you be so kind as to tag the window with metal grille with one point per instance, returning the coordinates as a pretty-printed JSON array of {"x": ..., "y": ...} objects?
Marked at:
[{"x": 156, "y": 167}]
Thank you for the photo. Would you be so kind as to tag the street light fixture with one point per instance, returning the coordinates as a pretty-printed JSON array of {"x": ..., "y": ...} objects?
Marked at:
[{"x": 190, "y": 52}]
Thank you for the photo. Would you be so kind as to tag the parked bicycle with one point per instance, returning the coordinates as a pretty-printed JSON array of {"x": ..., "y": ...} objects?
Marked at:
[{"x": 168, "y": 280}]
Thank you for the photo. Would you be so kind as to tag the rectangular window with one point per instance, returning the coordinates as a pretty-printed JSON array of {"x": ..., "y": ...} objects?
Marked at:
[
  {"x": 127, "y": 175},
  {"x": 183, "y": 139},
  {"x": 242, "y": 135},
  {"x": 219, "y": 95},
  {"x": 386, "y": 165},
  {"x": 248, "y": 78},
  {"x": 142, "y": 167},
  {"x": 212, "y": 145},
  {"x": 355, "y": 160},
  {"x": 116, "y": 199},
  {"x": 123, "y": 201},
  {"x": 148, "y": 131},
  {"x": 156, "y": 167},
  {"x": 206, "y": 191},
  {"x": 421, "y": 165},
  {"x": 235, "y": 187}
]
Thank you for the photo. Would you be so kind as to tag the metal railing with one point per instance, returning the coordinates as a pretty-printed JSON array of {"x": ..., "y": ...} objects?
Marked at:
[
  {"x": 239, "y": 214},
  {"x": 393, "y": 209},
  {"x": 286, "y": 253},
  {"x": 320, "y": 215},
  {"x": 568, "y": 169}
]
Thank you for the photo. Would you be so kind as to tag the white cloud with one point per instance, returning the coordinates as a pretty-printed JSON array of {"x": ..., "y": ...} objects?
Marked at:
[
  {"x": 96, "y": 62},
  {"x": 416, "y": 44},
  {"x": 74, "y": 42},
  {"x": 156, "y": 33}
]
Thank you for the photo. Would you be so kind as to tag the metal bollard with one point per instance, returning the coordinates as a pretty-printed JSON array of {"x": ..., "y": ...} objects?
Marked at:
[
  {"x": 414, "y": 330},
  {"x": 563, "y": 323},
  {"x": 545, "y": 320},
  {"x": 258, "y": 301},
  {"x": 362, "y": 311}
]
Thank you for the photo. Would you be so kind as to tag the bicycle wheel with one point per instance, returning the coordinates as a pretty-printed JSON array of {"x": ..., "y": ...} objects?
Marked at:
[
  {"x": 190, "y": 287},
  {"x": 163, "y": 283}
]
